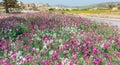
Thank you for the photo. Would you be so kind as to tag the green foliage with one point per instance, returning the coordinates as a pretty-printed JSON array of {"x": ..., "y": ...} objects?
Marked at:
[
  {"x": 51, "y": 9},
  {"x": 13, "y": 33},
  {"x": 12, "y": 3},
  {"x": 22, "y": 28}
]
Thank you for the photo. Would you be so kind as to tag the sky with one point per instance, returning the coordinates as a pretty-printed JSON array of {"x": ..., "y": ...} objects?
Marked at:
[{"x": 68, "y": 2}]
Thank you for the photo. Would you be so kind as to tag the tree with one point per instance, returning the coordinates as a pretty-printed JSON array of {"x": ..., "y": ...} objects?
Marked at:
[
  {"x": 6, "y": 6},
  {"x": 9, "y": 4},
  {"x": 111, "y": 6}
]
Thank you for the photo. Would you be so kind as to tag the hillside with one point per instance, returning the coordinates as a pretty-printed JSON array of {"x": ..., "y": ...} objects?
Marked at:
[{"x": 99, "y": 5}]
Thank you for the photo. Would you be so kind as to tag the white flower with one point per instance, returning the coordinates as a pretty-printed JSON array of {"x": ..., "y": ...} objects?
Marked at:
[
  {"x": 37, "y": 49},
  {"x": 51, "y": 52},
  {"x": 60, "y": 40},
  {"x": 38, "y": 38},
  {"x": 102, "y": 45}
]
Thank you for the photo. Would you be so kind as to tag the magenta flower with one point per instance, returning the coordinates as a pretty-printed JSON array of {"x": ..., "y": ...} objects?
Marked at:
[
  {"x": 72, "y": 47},
  {"x": 85, "y": 56},
  {"x": 47, "y": 38},
  {"x": 117, "y": 41},
  {"x": 71, "y": 63},
  {"x": 7, "y": 62},
  {"x": 34, "y": 50},
  {"x": 108, "y": 57},
  {"x": 59, "y": 63},
  {"x": 72, "y": 41},
  {"x": 55, "y": 55},
  {"x": 46, "y": 62},
  {"x": 66, "y": 46},
  {"x": 97, "y": 62},
  {"x": 13, "y": 56},
  {"x": 27, "y": 59},
  {"x": 95, "y": 51}
]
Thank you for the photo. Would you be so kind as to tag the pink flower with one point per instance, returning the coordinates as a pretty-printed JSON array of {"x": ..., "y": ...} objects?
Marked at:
[
  {"x": 66, "y": 46},
  {"x": 26, "y": 34},
  {"x": 34, "y": 50},
  {"x": 97, "y": 62},
  {"x": 71, "y": 63},
  {"x": 79, "y": 48},
  {"x": 46, "y": 62},
  {"x": 118, "y": 54},
  {"x": 13, "y": 56},
  {"x": 106, "y": 46},
  {"x": 73, "y": 47},
  {"x": 117, "y": 41},
  {"x": 65, "y": 52},
  {"x": 85, "y": 56},
  {"x": 108, "y": 57},
  {"x": 59, "y": 63},
  {"x": 7, "y": 62},
  {"x": 95, "y": 51},
  {"x": 27, "y": 59},
  {"x": 41, "y": 62},
  {"x": 55, "y": 55},
  {"x": 47, "y": 38},
  {"x": 99, "y": 39},
  {"x": 72, "y": 41},
  {"x": 74, "y": 56},
  {"x": 109, "y": 63}
]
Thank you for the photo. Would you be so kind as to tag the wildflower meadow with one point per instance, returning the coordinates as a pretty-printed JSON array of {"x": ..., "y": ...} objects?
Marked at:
[{"x": 45, "y": 38}]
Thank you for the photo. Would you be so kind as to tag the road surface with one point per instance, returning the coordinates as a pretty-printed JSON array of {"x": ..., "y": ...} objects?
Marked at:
[{"x": 108, "y": 20}]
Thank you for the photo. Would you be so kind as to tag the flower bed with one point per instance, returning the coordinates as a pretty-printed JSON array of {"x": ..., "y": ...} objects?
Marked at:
[{"x": 54, "y": 39}]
